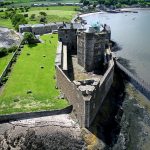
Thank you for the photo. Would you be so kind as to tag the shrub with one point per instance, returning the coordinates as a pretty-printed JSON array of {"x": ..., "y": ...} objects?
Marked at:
[
  {"x": 43, "y": 20},
  {"x": 29, "y": 38},
  {"x": 12, "y": 49},
  {"x": 43, "y": 13},
  {"x": 4, "y": 79},
  {"x": 25, "y": 15},
  {"x": 32, "y": 17},
  {"x": 3, "y": 52}
]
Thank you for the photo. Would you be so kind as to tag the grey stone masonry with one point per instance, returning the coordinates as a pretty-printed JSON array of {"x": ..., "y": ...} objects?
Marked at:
[
  {"x": 39, "y": 29},
  {"x": 90, "y": 49},
  {"x": 67, "y": 34}
]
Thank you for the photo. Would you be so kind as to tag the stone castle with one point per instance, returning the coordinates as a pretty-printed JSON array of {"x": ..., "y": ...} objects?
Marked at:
[{"x": 84, "y": 68}]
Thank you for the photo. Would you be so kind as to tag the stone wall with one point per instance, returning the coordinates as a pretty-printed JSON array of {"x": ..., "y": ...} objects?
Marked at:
[
  {"x": 39, "y": 29},
  {"x": 101, "y": 90},
  {"x": 68, "y": 37},
  {"x": 85, "y": 96},
  {"x": 85, "y": 107},
  {"x": 139, "y": 84},
  {"x": 4, "y": 73},
  {"x": 73, "y": 95}
]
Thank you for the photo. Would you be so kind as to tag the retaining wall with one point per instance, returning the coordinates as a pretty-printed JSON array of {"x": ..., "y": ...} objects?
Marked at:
[
  {"x": 17, "y": 116},
  {"x": 139, "y": 84}
]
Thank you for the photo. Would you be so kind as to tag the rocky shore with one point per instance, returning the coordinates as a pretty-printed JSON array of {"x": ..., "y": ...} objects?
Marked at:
[{"x": 58, "y": 132}]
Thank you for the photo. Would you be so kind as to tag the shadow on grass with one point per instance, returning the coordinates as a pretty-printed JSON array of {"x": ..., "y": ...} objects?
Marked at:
[{"x": 32, "y": 45}]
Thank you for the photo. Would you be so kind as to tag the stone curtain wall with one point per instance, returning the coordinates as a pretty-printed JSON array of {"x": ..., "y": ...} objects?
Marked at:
[
  {"x": 100, "y": 93},
  {"x": 84, "y": 108},
  {"x": 72, "y": 94}
]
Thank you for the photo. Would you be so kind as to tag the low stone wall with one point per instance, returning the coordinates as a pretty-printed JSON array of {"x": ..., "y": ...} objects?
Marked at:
[
  {"x": 9, "y": 65},
  {"x": 17, "y": 116},
  {"x": 135, "y": 80}
]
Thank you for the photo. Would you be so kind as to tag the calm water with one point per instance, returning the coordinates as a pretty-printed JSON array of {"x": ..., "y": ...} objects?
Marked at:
[{"x": 132, "y": 32}]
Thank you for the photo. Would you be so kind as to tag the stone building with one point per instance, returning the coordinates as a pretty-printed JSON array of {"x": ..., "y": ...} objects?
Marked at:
[
  {"x": 39, "y": 29},
  {"x": 89, "y": 44},
  {"x": 67, "y": 34},
  {"x": 91, "y": 47}
]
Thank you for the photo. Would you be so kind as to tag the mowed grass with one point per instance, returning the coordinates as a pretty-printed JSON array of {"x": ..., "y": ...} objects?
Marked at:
[
  {"x": 4, "y": 61},
  {"x": 27, "y": 75}
]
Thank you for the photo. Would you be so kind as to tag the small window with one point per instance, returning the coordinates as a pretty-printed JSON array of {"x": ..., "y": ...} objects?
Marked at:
[{"x": 66, "y": 36}]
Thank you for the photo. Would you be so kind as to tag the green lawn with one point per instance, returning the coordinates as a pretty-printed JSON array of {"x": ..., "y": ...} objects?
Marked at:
[
  {"x": 54, "y": 13},
  {"x": 27, "y": 75},
  {"x": 4, "y": 61}
]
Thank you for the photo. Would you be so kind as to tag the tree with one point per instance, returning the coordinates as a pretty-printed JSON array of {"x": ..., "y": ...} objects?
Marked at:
[
  {"x": 86, "y": 2},
  {"x": 32, "y": 17},
  {"x": 29, "y": 38},
  {"x": 18, "y": 19},
  {"x": 43, "y": 20},
  {"x": 3, "y": 52},
  {"x": 43, "y": 13}
]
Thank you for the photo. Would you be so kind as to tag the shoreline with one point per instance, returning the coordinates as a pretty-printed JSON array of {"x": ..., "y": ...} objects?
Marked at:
[{"x": 118, "y": 10}]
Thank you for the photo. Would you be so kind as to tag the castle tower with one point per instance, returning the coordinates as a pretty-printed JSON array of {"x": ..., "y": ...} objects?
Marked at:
[{"x": 90, "y": 48}]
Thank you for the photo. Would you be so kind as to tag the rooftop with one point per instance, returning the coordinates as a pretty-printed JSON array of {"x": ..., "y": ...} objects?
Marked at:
[{"x": 72, "y": 26}]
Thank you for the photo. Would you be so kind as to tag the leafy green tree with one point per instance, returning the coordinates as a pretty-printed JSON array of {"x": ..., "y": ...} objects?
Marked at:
[
  {"x": 29, "y": 38},
  {"x": 3, "y": 52},
  {"x": 32, "y": 17},
  {"x": 18, "y": 19},
  {"x": 43, "y": 20},
  {"x": 43, "y": 13}
]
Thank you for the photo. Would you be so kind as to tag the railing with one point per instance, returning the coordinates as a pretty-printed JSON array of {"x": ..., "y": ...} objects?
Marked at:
[{"x": 139, "y": 83}]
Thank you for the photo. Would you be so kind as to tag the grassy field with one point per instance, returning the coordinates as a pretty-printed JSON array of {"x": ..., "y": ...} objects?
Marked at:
[
  {"x": 5, "y": 22},
  {"x": 45, "y": 2},
  {"x": 4, "y": 61},
  {"x": 54, "y": 14},
  {"x": 27, "y": 75}
]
